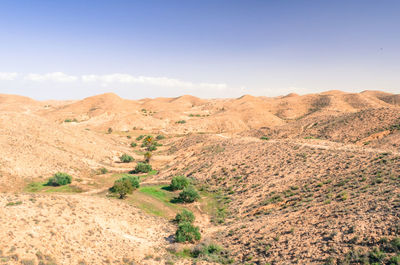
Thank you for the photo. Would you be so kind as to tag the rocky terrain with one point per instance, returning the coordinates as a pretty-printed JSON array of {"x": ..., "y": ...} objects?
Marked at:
[{"x": 311, "y": 179}]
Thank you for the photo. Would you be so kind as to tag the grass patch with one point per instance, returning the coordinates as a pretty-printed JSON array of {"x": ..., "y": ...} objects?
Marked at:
[
  {"x": 157, "y": 192},
  {"x": 42, "y": 187},
  {"x": 214, "y": 205},
  {"x": 155, "y": 200},
  {"x": 150, "y": 208}
]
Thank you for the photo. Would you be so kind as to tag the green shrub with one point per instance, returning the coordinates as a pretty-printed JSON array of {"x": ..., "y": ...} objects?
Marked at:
[
  {"x": 149, "y": 143},
  {"x": 134, "y": 180},
  {"x": 103, "y": 170},
  {"x": 212, "y": 253},
  {"x": 184, "y": 216},
  {"x": 148, "y": 140},
  {"x": 187, "y": 232},
  {"x": 395, "y": 244},
  {"x": 120, "y": 185},
  {"x": 123, "y": 188},
  {"x": 125, "y": 158},
  {"x": 376, "y": 255},
  {"x": 59, "y": 179},
  {"x": 160, "y": 137},
  {"x": 69, "y": 120},
  {"x": 179, "y": 183},
  {"x": 14, "y": 203},
  {"x": 181, "y": 122},
  {"x": 189, "y": 194},
  {"x": 264, "y": 138},
  {"x": 110, "y": 130},
  {"x": 152, "y": 148},
  {"x": 133, "y": 144},
  {"x": 395, "y": 260},
  {"x": 142, "y": 168}
]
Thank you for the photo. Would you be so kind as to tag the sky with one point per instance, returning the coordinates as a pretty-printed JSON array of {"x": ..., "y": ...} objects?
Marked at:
[{"x": 206, "y": 48}]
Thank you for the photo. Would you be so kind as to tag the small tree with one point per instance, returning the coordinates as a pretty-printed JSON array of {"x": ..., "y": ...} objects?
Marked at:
[
  {"x": 133, "y": 144},
  {"x": 179, "y": 183},
  {"x": 148, "y": 140},
  {"x": 189, "y": 194},
  {"x": 123, "y": 188},
  {"x": 149, "y": 143},
  {"x": 59, "y": 179},
  {"x": 134, "y": 180},
  {"x": 110, "y": 130},
  {"x": 125, "y": 158},
  {"x": 142, "y": 168},
  {"x": 184, "y": 216},
  {"x": 187, "y": 232}
]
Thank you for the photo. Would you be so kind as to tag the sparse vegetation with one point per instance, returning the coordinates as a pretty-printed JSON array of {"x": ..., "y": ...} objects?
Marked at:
[
  {"x": 211, "y": 252},
  {"x": 181, "y": 122},
  {"x": 281, "y": 199},
  {"x": 14, "y": 203}
]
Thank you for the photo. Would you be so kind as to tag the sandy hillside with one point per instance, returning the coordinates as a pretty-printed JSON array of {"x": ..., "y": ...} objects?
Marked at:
[{"x": 295, "y": 179}]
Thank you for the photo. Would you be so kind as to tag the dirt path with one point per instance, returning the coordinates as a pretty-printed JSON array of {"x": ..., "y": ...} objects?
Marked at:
[{"x": 326, "y": 145}]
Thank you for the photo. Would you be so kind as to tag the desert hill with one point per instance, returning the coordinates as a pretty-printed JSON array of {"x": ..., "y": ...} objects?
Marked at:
[
  {"x": 208, "y": 115},
  {"x": 305, "y": 200},
  {"x": 295, "y": 179}
]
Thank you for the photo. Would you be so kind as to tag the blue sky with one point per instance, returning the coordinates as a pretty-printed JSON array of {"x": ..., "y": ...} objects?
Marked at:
[{"x": 73, "y": 49}]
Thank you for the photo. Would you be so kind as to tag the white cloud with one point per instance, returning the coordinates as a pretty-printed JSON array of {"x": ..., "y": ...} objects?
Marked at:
[
  {"x": 4, "y": 76},
  {"x": 148, "y": 80},
  {"x": 54, "y": 77},
  {"x": 115, "y": 79}
]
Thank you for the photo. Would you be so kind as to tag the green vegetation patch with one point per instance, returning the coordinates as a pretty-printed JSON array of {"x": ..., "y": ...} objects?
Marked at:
[
  {"x": 187, "y": 232},
  {"x": 208, "y": 252},
  {"x": 156, "y": 200},
  {"x": 157, "y": 192},
  {"x": 43, "y": 187},
  {"x": 179, "y": 183},
  {"x": 59, "y": 179},
  {"x": 142, "y": 168}
]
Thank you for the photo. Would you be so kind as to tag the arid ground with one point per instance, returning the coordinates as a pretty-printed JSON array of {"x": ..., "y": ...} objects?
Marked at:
[{"x": 311, "y": 179}]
